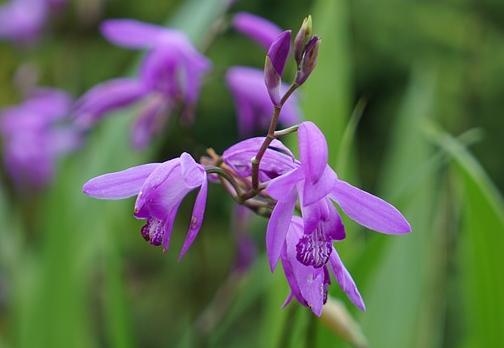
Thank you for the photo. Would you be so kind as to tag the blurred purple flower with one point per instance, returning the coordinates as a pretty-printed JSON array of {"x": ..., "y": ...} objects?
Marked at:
[
  {"x": 160, "y": 189},
  {"x": 22, "y": 20},
  {"x": 253, "y": 105},
  {"x": 34, "y": 136},
  {"x": 171, "y": 72},
  {"x": 246, "y": 250},
  {"x": 317, "y": 186},
  {"x": 309, "y": 285},
  {"x": 257, "y": 28}
]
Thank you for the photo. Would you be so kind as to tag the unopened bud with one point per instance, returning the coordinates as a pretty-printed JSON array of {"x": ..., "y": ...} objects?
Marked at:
[
  {"x": 309, "y": 60},
  {"x": 275, "y": 63},
  {"x": 303, "y": 36}
]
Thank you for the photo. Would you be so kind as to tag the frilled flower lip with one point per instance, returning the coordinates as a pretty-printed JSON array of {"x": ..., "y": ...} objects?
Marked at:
[
  {"x": 160, "y": 189},
  {"x": 309, "y": 285}
]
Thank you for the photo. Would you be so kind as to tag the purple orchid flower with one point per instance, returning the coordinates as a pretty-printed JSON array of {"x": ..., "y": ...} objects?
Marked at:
[
  {"x": 171, "y": 72},
  {"x": 256, "y": 28},
  {"x": 309, "y": 285},
  {"x": 160, "y": 189},
  {"x": 246, "y": 250},
  {"x": 252, "y": 101},
  {"x": 35, "y": 136},
  {"x": 317, "y": 187}
]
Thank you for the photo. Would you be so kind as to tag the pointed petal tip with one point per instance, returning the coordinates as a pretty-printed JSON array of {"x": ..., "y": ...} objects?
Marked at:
[
  {"x": 362, "y": 306},
  {"x": 358, "y": 302},
  {"x": 287, "y": 300},
  {"x": 272, "y": 263},
  {"x": 402, "y": 227},
  {"x": 368, "y": 210},
  {"x": 181, "y": 255},
  {"x": 317, "y": 312},
  {"x": 406, "y": 228}
]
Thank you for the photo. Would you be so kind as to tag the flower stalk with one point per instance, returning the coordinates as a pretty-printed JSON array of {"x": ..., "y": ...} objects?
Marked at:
[{"x": 256, "y": 160}]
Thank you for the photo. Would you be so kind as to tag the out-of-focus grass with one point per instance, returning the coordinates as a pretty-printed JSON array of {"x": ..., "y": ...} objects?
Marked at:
[
  {"x": 327, "y": 95},
  {"x": 480, "y": 255},
  {"x": 400, "y": 281},
  {"x": 78, "y": 233},
  {"x": 440, "y": 286}
]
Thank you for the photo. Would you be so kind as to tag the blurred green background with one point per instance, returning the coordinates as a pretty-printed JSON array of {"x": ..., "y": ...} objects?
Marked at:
[{"x": 74, "y": 272}]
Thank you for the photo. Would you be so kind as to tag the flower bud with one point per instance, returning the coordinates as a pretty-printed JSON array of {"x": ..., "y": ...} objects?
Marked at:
[
  {"x": 275, "y": 63},
  {"x": 303, "y": 36},
  {"x": 309, "y": 60}
]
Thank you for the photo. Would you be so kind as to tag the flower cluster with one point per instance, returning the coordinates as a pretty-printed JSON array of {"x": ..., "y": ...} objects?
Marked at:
[
  {"x": 299, "y": 196},
  {"x": 170, "y": 74},
  {"x": 35, "y": 133}
]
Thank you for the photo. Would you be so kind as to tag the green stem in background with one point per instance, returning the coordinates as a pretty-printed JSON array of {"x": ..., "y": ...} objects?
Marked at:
[
  {"x": 347, "y": 140},
  {"x": 288, "y": 325},
  {"x": 311, "y": 332}
]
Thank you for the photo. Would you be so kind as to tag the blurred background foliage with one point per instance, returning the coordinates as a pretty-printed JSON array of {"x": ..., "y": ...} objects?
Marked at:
[{"x": 409, "y": 95}]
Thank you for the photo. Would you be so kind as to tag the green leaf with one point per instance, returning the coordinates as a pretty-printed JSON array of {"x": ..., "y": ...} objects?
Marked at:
[
  {"x": 481, "y": 243},
  {"x": 398, "y": 290}
]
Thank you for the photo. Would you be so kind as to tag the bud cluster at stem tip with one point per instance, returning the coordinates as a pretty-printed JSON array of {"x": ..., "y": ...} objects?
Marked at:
[{"x": 306, "y": 47}]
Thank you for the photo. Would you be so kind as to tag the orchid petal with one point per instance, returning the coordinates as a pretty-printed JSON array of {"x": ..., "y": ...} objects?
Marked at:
[
  {"x": 197, "y": 217},
  {"x": 368, "y": 210},
  {"x": 192, "y": 172},
  {"x": 345, "y": 281},
  {"x": 49, "y": 102},
  {"x": 313, "y": 192},
  {"x": 152, "y": 119},
  {"x": 277, "y": 159},
  {"x": 253, "y": 104},
  {"x": 288, "y": 300},
  {"x": 168, "y": 225},
  {"x": 312, "y": 151},
  {"x": 284, "y": 183},
  {"x": 119, "y": 185},
  {"x": 307, "y": 284},
  {"x": 131, "y": 33},
  {"x": 274, "y": 66},
  {"x": 253, "y": 145},
  {"x": 257, "y": 28},
  {"x": 149, "y": 195},
  {"x": 279, "y": 51},
  {"x": 106, "y": 97},
  {"x": 311, "y": 216},
  {"x": 278, "y": 225}
]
